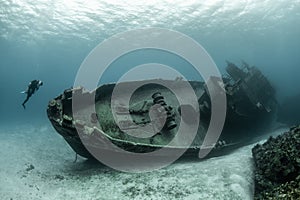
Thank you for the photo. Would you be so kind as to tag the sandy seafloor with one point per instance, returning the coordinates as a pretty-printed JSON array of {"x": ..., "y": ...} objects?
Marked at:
[{"x": 36, "y": 163}]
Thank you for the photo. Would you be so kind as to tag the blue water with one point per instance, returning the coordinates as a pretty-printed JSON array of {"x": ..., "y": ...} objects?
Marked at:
[{"x": 48, "y": 40}]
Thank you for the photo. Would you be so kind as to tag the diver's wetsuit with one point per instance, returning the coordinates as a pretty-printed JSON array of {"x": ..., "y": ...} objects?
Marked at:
[{"x": 32, "y": 87}]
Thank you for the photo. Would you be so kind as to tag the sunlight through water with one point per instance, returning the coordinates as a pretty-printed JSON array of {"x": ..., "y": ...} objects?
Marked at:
[{"x": 23, "y": 20}]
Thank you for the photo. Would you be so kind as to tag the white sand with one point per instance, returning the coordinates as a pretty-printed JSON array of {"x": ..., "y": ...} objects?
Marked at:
[{"x": 36, "y": 163}]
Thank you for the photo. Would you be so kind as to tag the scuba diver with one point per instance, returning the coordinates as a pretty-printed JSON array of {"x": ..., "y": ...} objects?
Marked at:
[{"x": 32, "y": 87}]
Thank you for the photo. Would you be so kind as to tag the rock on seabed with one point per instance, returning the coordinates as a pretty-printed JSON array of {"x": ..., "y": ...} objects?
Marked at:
[{"x": 277, "y": 166}]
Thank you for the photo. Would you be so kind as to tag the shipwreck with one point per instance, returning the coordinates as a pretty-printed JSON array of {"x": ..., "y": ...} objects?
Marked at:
[{"x": 251, "y": 109}]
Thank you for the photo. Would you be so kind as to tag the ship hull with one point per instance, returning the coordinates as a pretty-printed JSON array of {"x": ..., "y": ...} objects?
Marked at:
[{"x": 245, "y": 120}]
